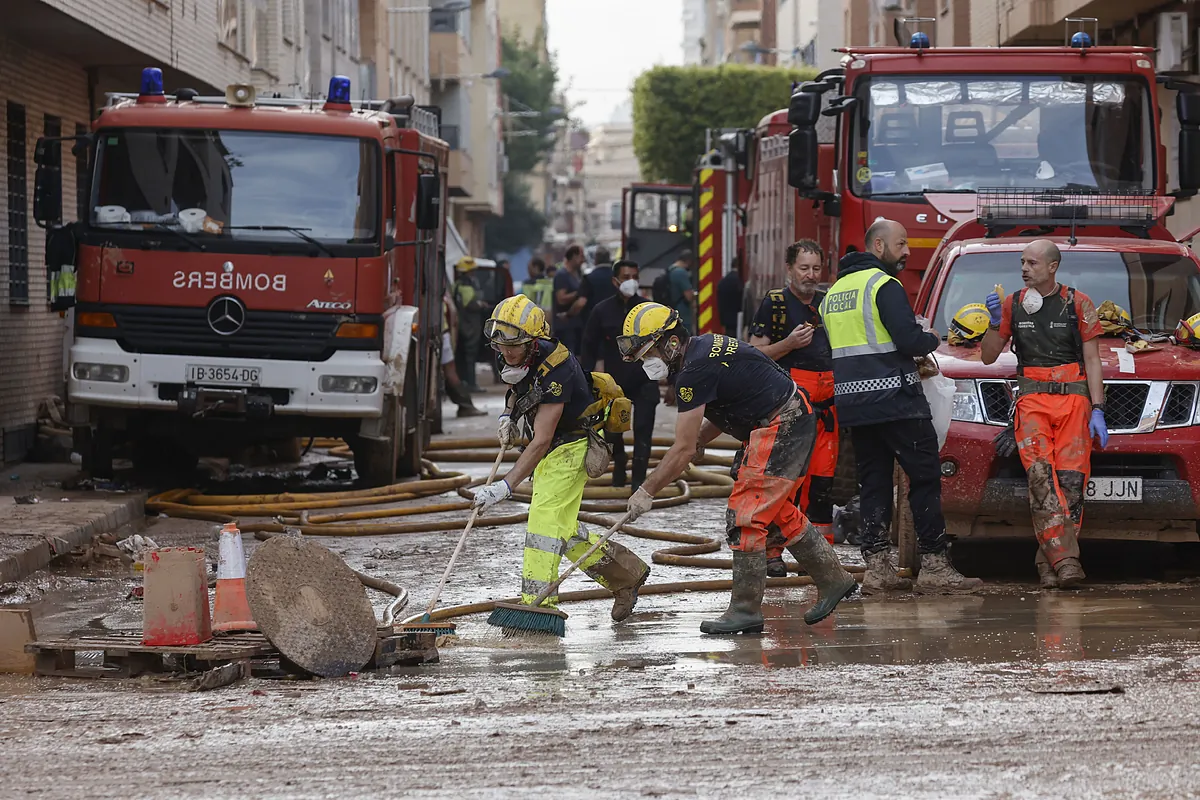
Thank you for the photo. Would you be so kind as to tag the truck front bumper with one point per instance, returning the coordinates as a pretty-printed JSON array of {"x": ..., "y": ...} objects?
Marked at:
[{"x": 154, "y": 382}]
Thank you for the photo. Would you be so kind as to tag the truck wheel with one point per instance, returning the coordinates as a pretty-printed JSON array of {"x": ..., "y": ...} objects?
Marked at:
[
  {"x": 375, "y": 459},
  {"x": 845, "y": 474}
]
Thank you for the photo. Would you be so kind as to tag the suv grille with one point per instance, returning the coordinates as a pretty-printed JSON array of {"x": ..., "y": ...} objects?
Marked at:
[
  {"x": 997, "y": 401},
  {"x": 1124, "y": 403},
  {"x": 1179, "y": 406},
  {"x": 265, "y": 334}
]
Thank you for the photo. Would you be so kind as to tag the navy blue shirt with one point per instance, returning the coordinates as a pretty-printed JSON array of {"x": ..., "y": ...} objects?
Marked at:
[
  {"x": 738, "y": 386},
  {"x": 817, "y": 356},
  {"x": 564, "y": 384}
]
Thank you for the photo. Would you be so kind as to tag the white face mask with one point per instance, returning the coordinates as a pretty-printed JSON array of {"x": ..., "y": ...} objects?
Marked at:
[
  {"x": 513, "y": 375},
  {"x": 1032, "y": 301},
  {"x": 655, "y": 368},
  {"x": 628, "y": 288}
]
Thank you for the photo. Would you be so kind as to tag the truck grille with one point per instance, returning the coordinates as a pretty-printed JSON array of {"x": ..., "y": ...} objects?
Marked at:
[
  {"x": 1126, "y": 403},
  {"x": 265, "y": 334}
]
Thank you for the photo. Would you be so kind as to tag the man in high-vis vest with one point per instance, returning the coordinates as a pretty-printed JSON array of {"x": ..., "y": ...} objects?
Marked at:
[{"x": 875, "y": 338}]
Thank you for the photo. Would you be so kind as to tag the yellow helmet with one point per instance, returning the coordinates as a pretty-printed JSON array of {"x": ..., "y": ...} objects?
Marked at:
[
  {"x": 516, "y": 320},
  {"x": 1188, "y": 331},
  {"x": 969, "y": 324},
  {"x": 644, "y": 326},
  {"x": 1113, "y": 318},
  {"x": 465, "y": 264}
]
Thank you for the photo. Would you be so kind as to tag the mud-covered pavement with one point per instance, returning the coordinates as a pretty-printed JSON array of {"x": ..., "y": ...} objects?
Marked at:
[{"x": 1015, "y": 693}]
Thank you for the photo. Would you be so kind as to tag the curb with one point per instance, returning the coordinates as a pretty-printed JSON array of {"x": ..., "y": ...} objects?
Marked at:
[{"x": 44, "y": 548}]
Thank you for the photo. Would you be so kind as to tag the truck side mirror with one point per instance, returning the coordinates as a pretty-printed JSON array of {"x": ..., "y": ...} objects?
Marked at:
[
  {"x": 429, "y": 201},
  {"x": 1189, "y": 158},
  {"x": 802, "y": 159},
  {"x": 47, "y": 182},
  {"x": 804, "y": 109}
]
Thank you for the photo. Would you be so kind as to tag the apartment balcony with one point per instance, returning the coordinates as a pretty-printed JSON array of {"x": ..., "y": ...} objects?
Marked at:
[
  {"x": 462, "y": 166},
  {"x": 448, "y": 55},
  {"x": 1041, "y": 21}
]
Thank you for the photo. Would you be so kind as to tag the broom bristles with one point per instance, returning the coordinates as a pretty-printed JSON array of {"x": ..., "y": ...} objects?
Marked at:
[{"x": 529, "y": 619}]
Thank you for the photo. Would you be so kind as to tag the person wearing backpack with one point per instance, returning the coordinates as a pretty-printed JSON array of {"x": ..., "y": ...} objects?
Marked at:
[
  {"x": 558, "y": 407},
  {"x": 1060, "y": 402}
]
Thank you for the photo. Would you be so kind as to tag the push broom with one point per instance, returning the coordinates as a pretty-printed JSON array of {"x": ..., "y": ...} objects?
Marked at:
[
  {"x": 425, "y": 623},
  {"x": 536, "y": 619}
]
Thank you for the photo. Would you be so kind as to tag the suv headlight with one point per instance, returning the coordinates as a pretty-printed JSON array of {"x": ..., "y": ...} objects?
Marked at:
[{"x": 966, "y": 406}]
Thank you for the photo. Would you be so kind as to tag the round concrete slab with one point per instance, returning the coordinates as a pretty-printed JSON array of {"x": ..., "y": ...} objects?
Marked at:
[{"x": 311, "y": 606}]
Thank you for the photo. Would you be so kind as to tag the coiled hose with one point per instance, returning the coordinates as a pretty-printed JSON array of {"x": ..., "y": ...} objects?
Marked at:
[{"x": 292, "y": 512}]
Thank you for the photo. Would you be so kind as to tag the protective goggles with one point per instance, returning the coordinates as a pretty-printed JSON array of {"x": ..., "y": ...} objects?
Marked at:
[
  {"x": 504, "y": 333},
  {"x": 634, "y": 348}
]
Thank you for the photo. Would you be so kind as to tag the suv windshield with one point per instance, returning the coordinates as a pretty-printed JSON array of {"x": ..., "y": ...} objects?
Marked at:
[
  {"x": 1157, "y": 289},
  {"x": 963, "y": 132},
  {"x": 207, "y": 182}
]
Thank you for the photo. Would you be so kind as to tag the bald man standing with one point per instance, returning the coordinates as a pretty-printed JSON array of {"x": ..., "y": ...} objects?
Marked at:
[
  {"x": 875, "y": 338},
  {"x": 1060, "y": 404}
]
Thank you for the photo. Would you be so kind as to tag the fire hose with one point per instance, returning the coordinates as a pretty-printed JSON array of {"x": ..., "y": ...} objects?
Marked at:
[{"x": 292, "y": 513}]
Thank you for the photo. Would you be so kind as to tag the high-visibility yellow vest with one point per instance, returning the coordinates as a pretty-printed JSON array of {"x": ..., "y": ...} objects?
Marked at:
[{"x": 867, "y": 369}]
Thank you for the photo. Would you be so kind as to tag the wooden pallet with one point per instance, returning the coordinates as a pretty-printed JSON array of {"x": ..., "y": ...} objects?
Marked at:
[{"x": 124, "y": 655}]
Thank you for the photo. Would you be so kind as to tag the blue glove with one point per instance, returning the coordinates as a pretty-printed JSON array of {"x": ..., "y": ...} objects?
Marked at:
[
  {"x": 994, "y": 307},
  {"x": 1098, "y": 428}
]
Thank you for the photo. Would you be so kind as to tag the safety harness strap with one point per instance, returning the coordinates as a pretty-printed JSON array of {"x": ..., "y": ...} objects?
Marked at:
[{"x": 1029, "y": 386}]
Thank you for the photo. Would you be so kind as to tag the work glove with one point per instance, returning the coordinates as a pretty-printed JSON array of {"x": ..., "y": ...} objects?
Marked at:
[
  {"x": 491, "y": 494},
  {"x": 1098, "y": 428},
  {"x": 1006, "y": 442},
  {"x": 507, "y": 431},
  {"x": 825, "y": 418},
  {"x": 994, "y": 307},
  {"x": 639, "y": 503}
]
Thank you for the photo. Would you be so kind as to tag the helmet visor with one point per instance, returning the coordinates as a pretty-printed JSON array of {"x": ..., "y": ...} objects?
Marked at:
[{"x": 504, "y": 333}]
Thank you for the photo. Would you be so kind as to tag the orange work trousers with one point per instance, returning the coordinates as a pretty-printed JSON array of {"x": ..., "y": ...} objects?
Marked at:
[
  {"x": 815, "y": 495},
  {"x": 767, "y": 472},
  {"x": 1056, "y": 449}
]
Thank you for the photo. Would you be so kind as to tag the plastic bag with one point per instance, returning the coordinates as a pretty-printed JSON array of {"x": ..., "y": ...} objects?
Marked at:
[{"x": 939, "y": 391}]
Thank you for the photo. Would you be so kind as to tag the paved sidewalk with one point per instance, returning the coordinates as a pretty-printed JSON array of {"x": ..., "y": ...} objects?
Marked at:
[{"x": 31, "y": 535}]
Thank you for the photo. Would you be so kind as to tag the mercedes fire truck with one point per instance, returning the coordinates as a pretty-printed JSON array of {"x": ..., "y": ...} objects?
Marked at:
[{"x": 252, "y": 269}]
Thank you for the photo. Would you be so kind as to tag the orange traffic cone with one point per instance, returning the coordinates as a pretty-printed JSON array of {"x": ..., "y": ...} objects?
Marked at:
[{"x": 231, "y": 611}]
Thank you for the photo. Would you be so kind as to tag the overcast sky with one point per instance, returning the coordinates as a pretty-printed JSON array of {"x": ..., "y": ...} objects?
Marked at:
[{"x": 602, "y": 45}]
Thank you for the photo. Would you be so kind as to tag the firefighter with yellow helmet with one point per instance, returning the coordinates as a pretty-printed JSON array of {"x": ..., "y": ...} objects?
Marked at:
[
  {"x": 553, "y": 403},
  {"x": 722, "y": 384}
]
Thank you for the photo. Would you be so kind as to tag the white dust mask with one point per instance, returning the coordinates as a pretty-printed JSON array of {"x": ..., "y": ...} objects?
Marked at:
[
  {"x": 628, "y": 288},
  {"x": 513, "y": 375},
  {"x": 655, "y": 368},
  {"x": 1032, "y": 301}
]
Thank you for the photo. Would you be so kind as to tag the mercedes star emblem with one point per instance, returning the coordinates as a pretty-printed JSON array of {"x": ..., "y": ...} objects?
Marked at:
[{"x": 226, "y": 315}]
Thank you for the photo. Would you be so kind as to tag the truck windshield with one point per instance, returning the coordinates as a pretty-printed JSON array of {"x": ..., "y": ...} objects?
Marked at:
[
  {"x": 222, "y": 183},
  {"x": 1157, "y": 289},
  {"x": 963, "y": 132}
]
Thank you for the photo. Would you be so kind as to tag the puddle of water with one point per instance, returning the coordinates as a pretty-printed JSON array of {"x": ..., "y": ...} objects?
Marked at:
[{"x": 1032, "y": 627}]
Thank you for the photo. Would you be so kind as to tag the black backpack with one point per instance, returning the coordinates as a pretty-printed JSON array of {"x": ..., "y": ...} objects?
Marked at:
[{"x": 660, "y": 290}]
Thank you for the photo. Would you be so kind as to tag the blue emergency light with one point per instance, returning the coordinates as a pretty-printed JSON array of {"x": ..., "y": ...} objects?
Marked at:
[
  {"x": 1081, "y": 39},
  {"x": 339, "y": 89},
  {"x": 152, "y": 81},
  {"x": 919, "y": 41}
]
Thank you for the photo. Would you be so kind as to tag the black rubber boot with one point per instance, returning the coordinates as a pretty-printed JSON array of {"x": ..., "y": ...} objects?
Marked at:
[
  {"x": 834, "y": 584},
  {"x": 618, "y": 475},
  {"x": 744, "y": 614},
  {"x": 776, "y": 568}
]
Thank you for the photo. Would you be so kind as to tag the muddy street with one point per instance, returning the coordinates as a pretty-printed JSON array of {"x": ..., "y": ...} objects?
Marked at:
[{"x": 1012, "y": 693}]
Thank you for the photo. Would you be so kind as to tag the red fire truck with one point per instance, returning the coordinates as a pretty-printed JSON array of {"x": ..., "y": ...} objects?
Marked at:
[
  {"x": 254, "y": 269},
  {"x": 871, "y": 138}
]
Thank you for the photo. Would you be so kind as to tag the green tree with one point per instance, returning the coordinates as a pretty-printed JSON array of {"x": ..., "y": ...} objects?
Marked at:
[
  {"x": 522, "y": 224},
  {"x": 673, "y": 106},
  {"x": 530, "y": 89}
]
